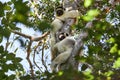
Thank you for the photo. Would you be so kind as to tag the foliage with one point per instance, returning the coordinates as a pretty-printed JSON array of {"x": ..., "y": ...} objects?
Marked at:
[
  {"x": 8, "y": 61},
  {"x": 102, "y": 50}
]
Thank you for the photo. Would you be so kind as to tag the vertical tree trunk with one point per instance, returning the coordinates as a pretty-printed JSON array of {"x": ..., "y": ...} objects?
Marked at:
[
  {"x": 71, "y": 62},
  {"x": 77, "y": 50}
]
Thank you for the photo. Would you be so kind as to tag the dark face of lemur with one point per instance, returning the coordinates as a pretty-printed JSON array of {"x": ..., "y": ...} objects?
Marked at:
[
  {"x": 59, "y": 11},
  {"x": 62, "y": 36}
]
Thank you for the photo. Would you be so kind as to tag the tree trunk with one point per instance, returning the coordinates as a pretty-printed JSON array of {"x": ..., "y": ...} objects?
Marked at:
[{"x": 77, "y": 50}]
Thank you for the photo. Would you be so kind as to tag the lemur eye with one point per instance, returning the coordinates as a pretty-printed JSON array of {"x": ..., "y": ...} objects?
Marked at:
[
  {"x": 59, "y": 12},
  {"x": 66, "y": 34}
]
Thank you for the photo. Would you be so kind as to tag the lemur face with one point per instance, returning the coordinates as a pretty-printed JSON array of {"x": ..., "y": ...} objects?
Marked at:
[
  {"x": 59, "y": 11},
  {"x": 62, "y": 36}
]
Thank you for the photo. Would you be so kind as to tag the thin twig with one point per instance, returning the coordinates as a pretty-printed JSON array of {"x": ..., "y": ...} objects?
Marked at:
[
  {"x": 43, "y": 57},
  {"x": 34, "y": 57},
  {"x": 7, "y": 44},
  {"x": 29, "y": 49},
  {"x": 28, "y": 59}
]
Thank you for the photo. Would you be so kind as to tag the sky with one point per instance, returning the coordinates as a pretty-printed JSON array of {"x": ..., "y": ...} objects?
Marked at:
[{"x": 4, "y": 1}]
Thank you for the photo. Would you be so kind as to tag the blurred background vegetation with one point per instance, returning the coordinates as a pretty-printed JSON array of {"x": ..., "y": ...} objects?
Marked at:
[{"x": 102, "y": 50}]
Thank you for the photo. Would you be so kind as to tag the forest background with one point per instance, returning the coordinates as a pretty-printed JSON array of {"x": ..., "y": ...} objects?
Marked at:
[{"x": 24, "y": 40}]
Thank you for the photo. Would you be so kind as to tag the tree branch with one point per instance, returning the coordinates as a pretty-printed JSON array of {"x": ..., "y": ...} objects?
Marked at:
[
  {"x": 29, "y": 49},
  {"x": 43, "y": 62},
  {"x": 77, "y": 50},
  {"x": 28, "y": 59},
  {"x": 34, "y": 56},
  {"x": 30, "y": 37},
  {"x": 41, "y": 37},
  {"x": 21, "y": 34}
]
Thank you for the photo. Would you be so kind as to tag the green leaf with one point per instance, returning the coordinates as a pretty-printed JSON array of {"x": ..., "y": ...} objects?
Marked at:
[
  {"x": 12, "y": 67},
  {"x": 114, "y": 48},
  {"x": 109, "y": 73},
  {"x": 6, "y": 32},
  {"x": 21, "y": 7},
  {"x": 60, "y": 73},
  {"x": 118, "y": 52},
  {"x": 87, "y": 3},
  {"x": 117, "y": 8},
  {"x": 111, "y": 40},
  {"x": 88, "y": 75},
  {"x": 91, "y": 14},
  {"x": 1, "y": 49},
  {"x": 1, "y": 38},
  {"x": 11, "y": 77},
  {"x": 7, "y": 8},
  {"x": 10, "y": 56},
  {"x": 43, "y": 25},
  {"x": 117, "y": 63},
  {"x": 18, "y": 59},
  {"x": 1, "y": 9}
]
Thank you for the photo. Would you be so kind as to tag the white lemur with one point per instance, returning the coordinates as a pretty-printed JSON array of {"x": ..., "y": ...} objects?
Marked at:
[
  {"x": 64, "y": 47},
  {"x": 61, "y": 16}
]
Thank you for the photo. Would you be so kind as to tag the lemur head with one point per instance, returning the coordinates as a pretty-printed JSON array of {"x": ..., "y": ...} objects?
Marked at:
[
  {"x": 59, "y": 11},
  {"x": 62, "y": 36}
]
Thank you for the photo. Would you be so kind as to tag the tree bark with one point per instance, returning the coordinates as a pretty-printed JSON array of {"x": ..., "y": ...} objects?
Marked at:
[
  {"x": 74, "y": 4},
  {"x": 77, "y": 50}
]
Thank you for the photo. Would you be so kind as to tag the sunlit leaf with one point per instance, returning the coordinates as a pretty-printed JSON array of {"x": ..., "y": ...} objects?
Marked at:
[
  {"x": 91, "y": 15},
  {"x": 93, "y": 12},
  {"x": 88, "y": 75},
  {"x": 118, "y": 52},
  {"x": 87, "y": 3},
  {"x": 111, "y": 40},
  {"x": 109, "y": 73},
  {"x": 60, "y": 73},
  {"x": 117, "y": 63},
  {"x": 114, "y": 49}
]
